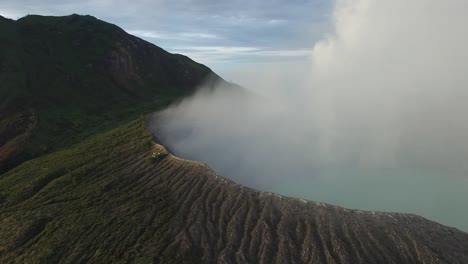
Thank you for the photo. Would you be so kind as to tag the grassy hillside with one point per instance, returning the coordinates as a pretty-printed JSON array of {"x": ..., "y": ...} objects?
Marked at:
[
  {"x": 118, "y": 198},
  {"x": 64, "y": 78},
  {"x": 85, "y": 203}
]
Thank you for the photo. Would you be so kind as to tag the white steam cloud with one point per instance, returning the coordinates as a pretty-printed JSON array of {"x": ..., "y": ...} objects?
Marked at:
[
  {"x": 386, "y": 90},
  {"x": 392, "y": 82}
]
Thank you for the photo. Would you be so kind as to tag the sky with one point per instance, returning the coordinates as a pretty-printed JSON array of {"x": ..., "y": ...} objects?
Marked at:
[{"x": 225, "y": 35}]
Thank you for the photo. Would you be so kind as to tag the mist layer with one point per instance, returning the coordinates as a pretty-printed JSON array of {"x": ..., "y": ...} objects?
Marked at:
[{"x": 375, "y": 120}]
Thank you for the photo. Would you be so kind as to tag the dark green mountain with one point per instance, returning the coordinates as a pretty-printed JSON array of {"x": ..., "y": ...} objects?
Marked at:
[
  {"x": 62, "y": 78},
  {"x": 94, "y": 187}
]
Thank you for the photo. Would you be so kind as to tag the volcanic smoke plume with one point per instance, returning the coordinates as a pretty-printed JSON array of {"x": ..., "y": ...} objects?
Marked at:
[{"x": 387, "y": 89}]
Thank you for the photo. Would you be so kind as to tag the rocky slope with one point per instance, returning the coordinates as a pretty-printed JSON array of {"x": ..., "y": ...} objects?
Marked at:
[{"x": 119, "y": 198}]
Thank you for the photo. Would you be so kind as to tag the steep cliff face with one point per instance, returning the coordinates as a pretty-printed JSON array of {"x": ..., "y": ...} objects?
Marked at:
[
  {"x": 118, "y": 197},
  {"x": 68, "y": 75}
]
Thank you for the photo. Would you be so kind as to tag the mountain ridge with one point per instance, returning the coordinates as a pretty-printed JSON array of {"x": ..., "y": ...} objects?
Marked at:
[{"x": 119, "y": 197}]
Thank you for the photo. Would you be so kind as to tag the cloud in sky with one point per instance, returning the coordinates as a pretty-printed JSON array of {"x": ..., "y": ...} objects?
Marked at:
[
  {"x": 220, "y": 54},
  {"x": 276, "y": 28},
  {"x": 181, "y": 36}
]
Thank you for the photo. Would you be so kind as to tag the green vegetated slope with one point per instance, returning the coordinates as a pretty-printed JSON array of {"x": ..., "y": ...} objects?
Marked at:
[
  {"x": 64, "y": 78},
  {"x": 119, "y": 198}
]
